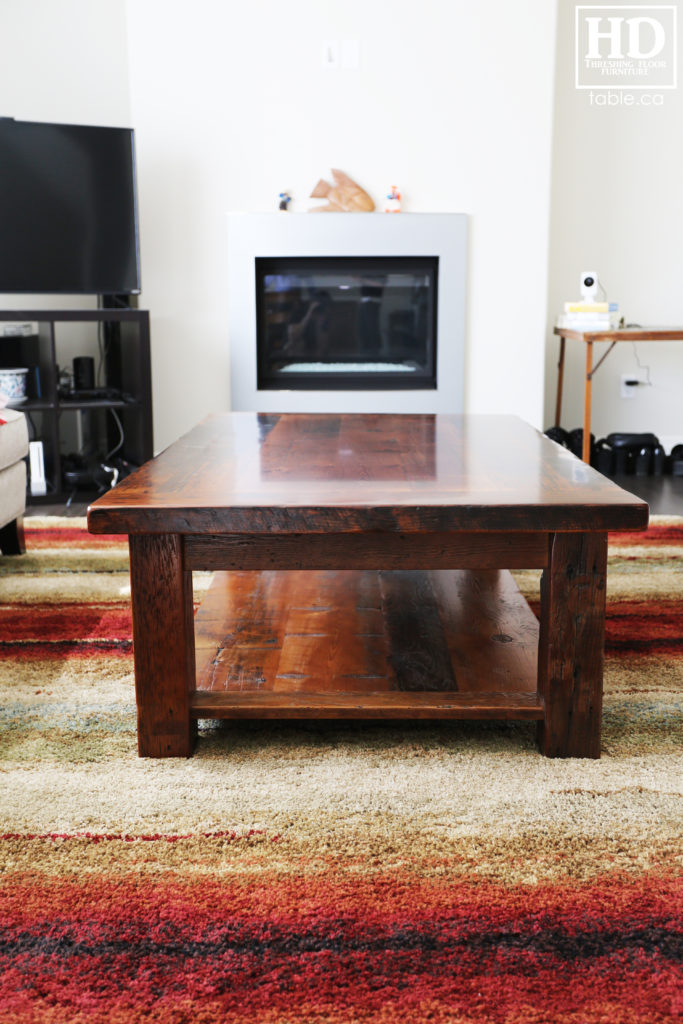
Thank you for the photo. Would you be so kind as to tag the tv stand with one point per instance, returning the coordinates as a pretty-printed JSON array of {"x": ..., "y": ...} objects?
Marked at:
[
  {"x": 126, "y": 388},
  {"x": 114, "y": 302}
]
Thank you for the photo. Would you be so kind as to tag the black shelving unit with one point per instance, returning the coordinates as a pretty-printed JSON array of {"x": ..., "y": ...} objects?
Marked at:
[{"x": 127, "y": 369}]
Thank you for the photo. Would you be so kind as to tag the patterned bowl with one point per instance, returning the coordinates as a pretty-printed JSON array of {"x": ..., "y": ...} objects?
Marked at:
[{"x": 13, "y": 385}]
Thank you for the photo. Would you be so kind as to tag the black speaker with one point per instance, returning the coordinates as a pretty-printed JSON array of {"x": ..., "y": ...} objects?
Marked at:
[{"x": 84, "y": 373}]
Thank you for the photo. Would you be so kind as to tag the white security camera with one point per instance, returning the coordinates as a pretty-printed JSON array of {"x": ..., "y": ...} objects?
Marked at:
[{"x": 589, "y": 286}]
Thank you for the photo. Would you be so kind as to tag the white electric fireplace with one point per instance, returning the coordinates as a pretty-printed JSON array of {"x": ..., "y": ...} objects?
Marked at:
[{"x": 347, "y": 312}]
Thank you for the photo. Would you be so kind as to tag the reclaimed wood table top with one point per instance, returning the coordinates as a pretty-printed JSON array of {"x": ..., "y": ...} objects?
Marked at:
[{"x": 316, "y": 473}]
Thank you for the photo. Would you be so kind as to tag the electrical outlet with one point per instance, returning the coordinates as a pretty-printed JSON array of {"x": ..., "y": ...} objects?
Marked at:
[{"x": 629, "y": 385}]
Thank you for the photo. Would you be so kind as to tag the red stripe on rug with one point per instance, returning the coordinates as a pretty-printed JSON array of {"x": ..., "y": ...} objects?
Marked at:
[
  {"x": 64, "y": 631},
  {"x": 379, "y": 946},
  {"x": 354, "y": 902},
  {"x": 66, "y": 650},
  {"x": 50, "y": 537},
  {"x": 654, "y": 627},
  {"x": 67, "y": 621},
  {"x": 634, "y": 625},
  {"x": 655, "y": 536},
  {"x": 318, "y": 986}
]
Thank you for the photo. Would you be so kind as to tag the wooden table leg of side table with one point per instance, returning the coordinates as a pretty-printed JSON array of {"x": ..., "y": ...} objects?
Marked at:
[
  {"x": 560, "y": 382},
  {"x": 587, "y": 401},
  {"x": 163, "y": 645},
  {"x": 571, "y": 644}
]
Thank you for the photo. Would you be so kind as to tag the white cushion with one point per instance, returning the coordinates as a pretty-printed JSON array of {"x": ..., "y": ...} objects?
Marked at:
[
  {"x": 13, "y": 437},
  {"x": 12, "y": 492}
]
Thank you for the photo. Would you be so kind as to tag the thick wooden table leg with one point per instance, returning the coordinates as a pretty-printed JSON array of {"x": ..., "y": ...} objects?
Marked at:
[
  {"x": 571, "y": 644},
  {"x": 163, "y": 645}
]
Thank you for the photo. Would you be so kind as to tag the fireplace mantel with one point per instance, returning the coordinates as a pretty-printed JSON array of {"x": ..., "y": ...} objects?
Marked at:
[{"x": 255, "y": 238}]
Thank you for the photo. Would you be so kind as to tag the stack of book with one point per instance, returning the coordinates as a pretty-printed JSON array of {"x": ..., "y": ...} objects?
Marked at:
[{"x": 588, "y": 316}]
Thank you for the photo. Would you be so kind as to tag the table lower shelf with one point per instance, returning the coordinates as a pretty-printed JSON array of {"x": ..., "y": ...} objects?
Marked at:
[{"x": 366, "y": 644}]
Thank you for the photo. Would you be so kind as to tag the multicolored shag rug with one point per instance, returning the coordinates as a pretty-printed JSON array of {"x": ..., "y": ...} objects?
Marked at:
[{"x": 330, "y": 872}]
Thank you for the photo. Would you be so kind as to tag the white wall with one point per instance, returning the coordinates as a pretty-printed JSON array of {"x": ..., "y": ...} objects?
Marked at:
[
  {"x": 65, "y": 61},
  {"x": 617, "y": 207},
  {"x": 453, "y": 103}
]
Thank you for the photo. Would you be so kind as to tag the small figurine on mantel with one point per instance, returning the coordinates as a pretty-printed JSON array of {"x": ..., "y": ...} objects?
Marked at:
[
  {"x": 392, "y": 204},
  {"x": 345, "y": 196},
  {"x": 285, "y": 200}
]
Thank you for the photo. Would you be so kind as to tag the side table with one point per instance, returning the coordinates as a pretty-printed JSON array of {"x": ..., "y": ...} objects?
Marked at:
[{"x": 590, "y": 338}]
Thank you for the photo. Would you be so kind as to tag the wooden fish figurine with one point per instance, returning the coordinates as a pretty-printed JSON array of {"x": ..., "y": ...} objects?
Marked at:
[{"x": 345, "y": 196}]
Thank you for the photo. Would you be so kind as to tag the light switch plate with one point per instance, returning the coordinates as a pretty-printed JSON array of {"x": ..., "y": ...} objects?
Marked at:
[{"x": 330, "y": 55}]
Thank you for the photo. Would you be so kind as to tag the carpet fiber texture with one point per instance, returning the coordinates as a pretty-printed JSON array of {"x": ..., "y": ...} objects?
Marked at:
[{"x": 330, "y": 872}]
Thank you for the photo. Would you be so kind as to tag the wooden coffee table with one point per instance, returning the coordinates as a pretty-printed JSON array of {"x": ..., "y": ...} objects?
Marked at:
[{"x": 360, "y": 564}]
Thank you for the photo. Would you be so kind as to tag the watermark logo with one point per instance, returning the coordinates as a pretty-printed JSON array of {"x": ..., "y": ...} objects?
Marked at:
[{"x": 630, "y": 47}]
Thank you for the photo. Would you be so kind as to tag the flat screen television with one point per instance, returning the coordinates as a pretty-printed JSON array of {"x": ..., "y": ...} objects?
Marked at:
[{"x": 68, "y": 209}]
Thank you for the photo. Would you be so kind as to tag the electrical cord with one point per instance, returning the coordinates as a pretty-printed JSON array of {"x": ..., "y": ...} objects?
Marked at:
[
  {"x": 103, "y": 348},
  {"x": 648, "y": 381},
  {"x": 121, "y": 437},
  {"x": 641, "y": 366}
]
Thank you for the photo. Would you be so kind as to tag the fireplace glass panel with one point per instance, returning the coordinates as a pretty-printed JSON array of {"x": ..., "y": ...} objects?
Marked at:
[{"x": 329, "y": 323}]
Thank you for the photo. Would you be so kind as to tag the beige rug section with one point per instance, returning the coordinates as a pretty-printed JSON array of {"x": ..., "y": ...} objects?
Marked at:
[{"x": 462, "y": 796}]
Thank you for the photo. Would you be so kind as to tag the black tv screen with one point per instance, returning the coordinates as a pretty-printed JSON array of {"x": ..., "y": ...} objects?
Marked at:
[{"x": 68, "y": 210}]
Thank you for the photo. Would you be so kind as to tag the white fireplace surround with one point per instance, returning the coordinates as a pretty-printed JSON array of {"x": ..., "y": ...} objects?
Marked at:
[{"x": 252, "y": 235}]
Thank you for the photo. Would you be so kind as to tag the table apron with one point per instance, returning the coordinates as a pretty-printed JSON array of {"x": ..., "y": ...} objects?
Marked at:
[{"x": 455, "y": 550}]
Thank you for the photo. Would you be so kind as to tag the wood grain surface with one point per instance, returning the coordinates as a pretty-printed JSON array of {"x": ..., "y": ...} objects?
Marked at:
[
  {"x": 361, "y": 637},
  {"x": 486, "y": 706},
  {"x": 163, "y": 646},
  {"x": 375, "y": 550},
  {"x": 294, "y": 473},
  {"x": 571, "y": 645}
]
